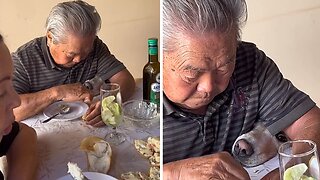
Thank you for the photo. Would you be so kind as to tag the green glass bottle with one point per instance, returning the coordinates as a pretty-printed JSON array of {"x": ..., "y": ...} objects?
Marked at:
[{"x": 151, "y": 74}]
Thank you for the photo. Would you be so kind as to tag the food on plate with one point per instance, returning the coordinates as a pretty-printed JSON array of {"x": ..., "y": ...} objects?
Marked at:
[
  {"x": 155, "y": 159},
  {"x": 98, "y": 152},
  {"x": 143, "y": 148},
  {"x": 149, "y": 149},
  {"x": 75, "y": 171},
  {"x": 154, "y": 172},
  {"x": 154, "y": 142},
  {"x": 134, "y": 176}
]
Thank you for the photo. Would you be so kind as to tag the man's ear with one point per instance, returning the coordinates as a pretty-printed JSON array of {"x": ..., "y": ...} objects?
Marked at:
[{"x": 49, "y": 39}]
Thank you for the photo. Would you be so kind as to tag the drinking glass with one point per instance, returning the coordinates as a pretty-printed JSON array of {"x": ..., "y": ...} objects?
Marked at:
[
  {"x": 298, "y": 160},
  {"x": 111, "y": 111}
]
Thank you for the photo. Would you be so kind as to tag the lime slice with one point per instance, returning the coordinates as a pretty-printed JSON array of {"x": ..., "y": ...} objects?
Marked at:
[
  {"x": 304, "y": 177},
  {"x": 114, "y": 108},
  {"x": 111, "y": 111},
  {"x": 106, "y": 114},
  {"x": 107, "y": 100},
  {"x": 295, "y": 172},
  {"x": 314, "y": 167}
]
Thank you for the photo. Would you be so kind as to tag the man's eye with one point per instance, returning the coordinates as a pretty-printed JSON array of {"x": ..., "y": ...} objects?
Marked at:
[
  {"x": 70, "y": 56},
  {"x": 225, "y": 69},
  {"x": 189, "y": 78}
]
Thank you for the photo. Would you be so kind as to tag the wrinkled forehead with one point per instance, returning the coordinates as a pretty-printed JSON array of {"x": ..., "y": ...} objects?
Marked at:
[
  {"x": 78, "y": 42},
  {"x": 204, "y": 47}
]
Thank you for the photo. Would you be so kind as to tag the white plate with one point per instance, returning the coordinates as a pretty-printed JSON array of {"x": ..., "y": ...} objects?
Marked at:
[
  {"x": 77, "y": 109},
  {"x": 90, "y": 175}
]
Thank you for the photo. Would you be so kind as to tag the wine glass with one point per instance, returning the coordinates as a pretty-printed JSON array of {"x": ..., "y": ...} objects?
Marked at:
[
  {"x": 111, "y": 111},
  {"x": 298, "y": 160}
]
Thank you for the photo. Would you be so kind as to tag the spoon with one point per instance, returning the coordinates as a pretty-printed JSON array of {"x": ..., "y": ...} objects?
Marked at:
[{"x": 63, "y": 109}]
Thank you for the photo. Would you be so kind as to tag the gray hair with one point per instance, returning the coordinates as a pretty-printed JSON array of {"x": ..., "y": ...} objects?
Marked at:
[
  {"x": 200, "y": 16},
  {"x": 77, "y": 17}
]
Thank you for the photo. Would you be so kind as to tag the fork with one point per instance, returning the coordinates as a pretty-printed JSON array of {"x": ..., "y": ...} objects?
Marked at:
[{"x": 63, "y": 109}]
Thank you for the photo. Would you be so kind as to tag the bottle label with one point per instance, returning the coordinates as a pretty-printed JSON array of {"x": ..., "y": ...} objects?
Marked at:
[
  {"x": 153, "y": 50},
  {"x": 155, "y": 93}
]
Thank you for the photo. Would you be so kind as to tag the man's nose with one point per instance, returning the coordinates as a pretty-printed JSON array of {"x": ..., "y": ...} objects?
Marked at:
[{"x": 206, "y": 83}]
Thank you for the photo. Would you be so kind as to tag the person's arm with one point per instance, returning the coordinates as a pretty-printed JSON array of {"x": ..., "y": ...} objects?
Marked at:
[
  {"x": 215, "y": 166},
  {"x": 306, "y": 127},
  {"x": 22, "y": 156},
  {"x": 126, "y": 82},
  {"x": 33, "y": 103}
]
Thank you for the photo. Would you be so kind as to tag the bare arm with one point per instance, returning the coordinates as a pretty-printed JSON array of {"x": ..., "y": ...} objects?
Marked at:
[
  {"x": 34, "y": 103},
  {"x": 22, "y": 156},
  {"x": 126, "y": 82},
  {"x": 306, "y": 127},
  {"x": 214, "y": 166}
]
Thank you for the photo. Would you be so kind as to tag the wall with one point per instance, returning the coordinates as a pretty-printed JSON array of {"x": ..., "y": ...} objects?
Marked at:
[
  {"x": 126, "y": 26},
  {"x": 288, "y": 31}
]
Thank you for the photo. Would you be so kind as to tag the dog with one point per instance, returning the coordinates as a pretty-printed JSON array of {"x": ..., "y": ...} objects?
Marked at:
[{"x": 257, "y": 146}]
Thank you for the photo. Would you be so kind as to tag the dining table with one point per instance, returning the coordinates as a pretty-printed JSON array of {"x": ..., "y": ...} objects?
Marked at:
[{"x": 59, "y": 143}]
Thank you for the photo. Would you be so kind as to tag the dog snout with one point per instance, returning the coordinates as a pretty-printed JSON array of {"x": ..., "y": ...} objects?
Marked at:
[{"x": 243, "y": 148}]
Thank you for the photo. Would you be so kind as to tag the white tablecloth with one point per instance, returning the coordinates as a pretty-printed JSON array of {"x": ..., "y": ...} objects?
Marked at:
[{"x": 59, "y": 142}]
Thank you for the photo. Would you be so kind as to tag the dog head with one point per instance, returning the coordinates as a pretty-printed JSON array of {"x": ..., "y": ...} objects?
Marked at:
[{"x": 255, "y": 147}]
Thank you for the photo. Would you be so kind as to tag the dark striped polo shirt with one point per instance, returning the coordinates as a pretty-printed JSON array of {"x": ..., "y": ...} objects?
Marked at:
[
  {"x": 257, "y": 92},
  {"x": 35, "y": 69}
]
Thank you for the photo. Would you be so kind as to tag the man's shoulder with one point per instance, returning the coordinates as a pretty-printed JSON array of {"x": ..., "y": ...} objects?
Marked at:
[
  {"x": 31, "y": 46},
  {"x": 244, "y": 47}
]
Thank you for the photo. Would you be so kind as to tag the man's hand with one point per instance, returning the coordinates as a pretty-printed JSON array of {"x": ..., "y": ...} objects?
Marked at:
[
  {"x": 73, "y": 92},
  {"x": 215, "y": 166},
  {"x": 93, "y": 115}
]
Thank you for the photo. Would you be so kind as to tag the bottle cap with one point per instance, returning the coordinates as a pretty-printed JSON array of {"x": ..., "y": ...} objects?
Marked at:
[{"x": 152, "y": 41}]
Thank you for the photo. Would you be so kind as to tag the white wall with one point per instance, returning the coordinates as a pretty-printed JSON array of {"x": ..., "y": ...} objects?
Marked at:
[
  {"x": 126, "y": 25},
  {"x": 289, "y": 32}
]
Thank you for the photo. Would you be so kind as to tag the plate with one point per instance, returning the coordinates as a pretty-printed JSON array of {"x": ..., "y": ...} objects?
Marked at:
[
  {"x": 77, "y": 109},
  {"x": 90, "y": 175}
]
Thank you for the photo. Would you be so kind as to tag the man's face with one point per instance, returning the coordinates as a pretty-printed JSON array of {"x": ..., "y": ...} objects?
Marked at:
[
  {"x": 199, "y": 69},
  {"x": 73, "y": 50}
]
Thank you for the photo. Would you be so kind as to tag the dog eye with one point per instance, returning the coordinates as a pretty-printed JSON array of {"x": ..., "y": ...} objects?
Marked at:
[{"x": 281, "y": 137}]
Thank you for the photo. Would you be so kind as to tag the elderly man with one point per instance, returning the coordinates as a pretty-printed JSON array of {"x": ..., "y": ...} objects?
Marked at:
[
  {"x": 217, "y": 87},
  {"x": 54, "y": 67}
]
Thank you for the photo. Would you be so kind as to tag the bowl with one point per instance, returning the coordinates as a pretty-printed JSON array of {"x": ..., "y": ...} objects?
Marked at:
[{"x": 140, "y": 113}]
